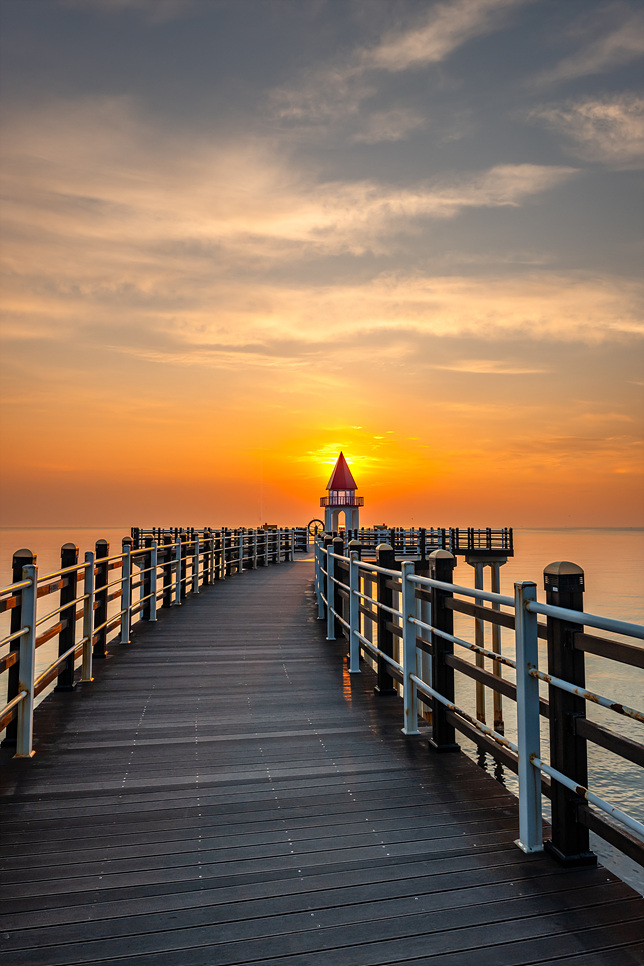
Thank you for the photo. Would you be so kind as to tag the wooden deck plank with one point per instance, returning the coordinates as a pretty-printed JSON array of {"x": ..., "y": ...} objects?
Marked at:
[{"x": 229, "y": 794}]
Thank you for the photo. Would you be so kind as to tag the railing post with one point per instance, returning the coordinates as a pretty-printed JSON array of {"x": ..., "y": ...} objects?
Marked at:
[
  {"x": 154, "y": 565},
  {"x": 354, "y": 608},
  {"x": 319, "y": 576},
  {"x": 183, "y": 565},
  {"x": 479, "y": 640},
  {"x": 21, "y": 558},
  {"x": 497, "y": 700},
  {"x": 88, "y": 618},
  {"x": 564, "y": 584},
  {"x": 441, "y": 564},
  {"x": 241, "y": 550},
  {"x": 67, "y": 635},
  {"x": 338, "y": 548},
  {"x": 330, "y": 592},
  {"x": 527, "y": 658},
  {"x": 408, "y": 611},
  {"x": 207, "y": 552},
  {"x": 102, "y": 549},
  {"x": 195, "y": 565},
  {"x": 168, "y": 566},
  {"x": 254, "y": 555},
  {"x": 27, "y": 666},
  {"x": 292, "y": 544},
  {"x": 178, "y": 560},
  {"x": 145, "y": 565},
  {"x": 385, "y": 557},
  {"x": 126, "y": 590}
]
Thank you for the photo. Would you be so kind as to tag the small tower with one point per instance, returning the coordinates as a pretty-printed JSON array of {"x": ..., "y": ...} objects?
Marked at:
[{"x": 341, "y": 499}]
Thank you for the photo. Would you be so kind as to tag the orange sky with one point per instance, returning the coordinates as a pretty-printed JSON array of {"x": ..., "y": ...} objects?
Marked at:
[{"x": 313, "y": 230}]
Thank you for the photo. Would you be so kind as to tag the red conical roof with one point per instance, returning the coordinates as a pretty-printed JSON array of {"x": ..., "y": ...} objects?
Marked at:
[{"x": 341, "y": 478}]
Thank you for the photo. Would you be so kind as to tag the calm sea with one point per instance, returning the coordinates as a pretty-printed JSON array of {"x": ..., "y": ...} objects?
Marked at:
[{"x": 613, "y": 562}]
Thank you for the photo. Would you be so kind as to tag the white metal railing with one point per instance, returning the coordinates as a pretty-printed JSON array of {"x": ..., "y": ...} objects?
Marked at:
[
  {"x": 524, "y": 608},
  {"x": 168, "y": 572}
]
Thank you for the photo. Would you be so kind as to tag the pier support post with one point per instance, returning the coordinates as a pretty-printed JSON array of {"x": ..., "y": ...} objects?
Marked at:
[
  {"x": 564, "y": 585},
  {"x": 441, "y": 567},
  {"x": 102, "y": 550},
  {"x": 385, "y": 557},
  {"x": 67, "y": 635},
  {"x": 21, "y": 558}
]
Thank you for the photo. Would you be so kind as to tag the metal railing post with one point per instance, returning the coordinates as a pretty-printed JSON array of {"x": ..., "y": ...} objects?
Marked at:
[
  {"x": 354, "y": 612},
  {"x": 330, "y": 586},
  {"x": 145, "y": 563},
  {"x": 527, "y": 658},
  {"x": 27, "y": 665},
  {"x": 195, "y": 566},
  {"x": 564, "y": 585},
  {"x": 168, "y": 566},
  {"x": 319, "y": 588},
  {"x": 88, "y": 618},
  {"x": 21, "y": 558},
  {"x": 126, "y": 590},
  {"x": 442, "y": 564},
  {"x": 385, "y": 557},
  {"x": 177, "y": 571},
  {"x": 67, "y": 635},
  {"x": 102, "y": 549},
  {"x": 408, "y": 611},
  {"x": 183, "y": 565},
  {"x": 154, "y": 565}
]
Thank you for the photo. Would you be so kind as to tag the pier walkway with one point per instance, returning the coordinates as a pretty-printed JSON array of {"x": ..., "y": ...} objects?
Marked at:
[{"x": 226, "y": 793}]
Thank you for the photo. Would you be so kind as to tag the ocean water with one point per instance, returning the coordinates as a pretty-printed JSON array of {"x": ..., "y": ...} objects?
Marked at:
[{"x": 613, "y": 563}]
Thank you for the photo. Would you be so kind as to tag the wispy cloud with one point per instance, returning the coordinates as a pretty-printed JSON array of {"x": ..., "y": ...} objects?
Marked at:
[
  {"x": 443, "y": 29},
  {"x": 610, "y": 129},
  {"x": 492, "y": 367},
  {"x": 338, "y": 91},
  {"x": 93, "y": 170},
  {"x": 390, "y": 125},
  {"x": 612, "y": 38}
]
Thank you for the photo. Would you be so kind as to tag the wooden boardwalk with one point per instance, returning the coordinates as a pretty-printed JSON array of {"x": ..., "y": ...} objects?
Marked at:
[{"x": 225, "y": 793}]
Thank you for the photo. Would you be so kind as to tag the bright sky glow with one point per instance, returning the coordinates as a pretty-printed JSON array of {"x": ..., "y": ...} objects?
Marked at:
[{"x": 238, "y": 238}]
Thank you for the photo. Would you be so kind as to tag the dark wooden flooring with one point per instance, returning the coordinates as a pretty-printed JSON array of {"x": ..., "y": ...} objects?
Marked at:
[{"x": 225, "y": 793}]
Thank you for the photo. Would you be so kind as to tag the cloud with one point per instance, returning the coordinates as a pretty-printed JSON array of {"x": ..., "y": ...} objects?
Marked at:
[
  {"x": 337, "y": 92},
  {"x": 495, "y": 367},
  {"x": 93, "y": 172},
  {"x": 443, "y": 29},
  {"x": 614, "y": 45},
  {"x": 610, "y": 130},
  {"x": 393, "y": 125}
]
